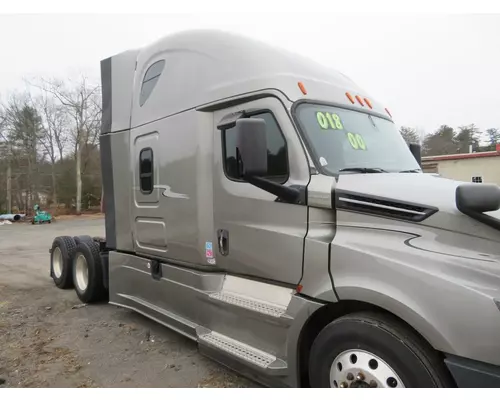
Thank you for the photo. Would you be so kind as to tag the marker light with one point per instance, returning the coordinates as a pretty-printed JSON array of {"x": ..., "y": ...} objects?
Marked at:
[
  {"x": 302, "y": 88},
  {"x": 350, "y": 97},
  {"x": 360, "y": 101},
  {"x": 368, "y": 102}
]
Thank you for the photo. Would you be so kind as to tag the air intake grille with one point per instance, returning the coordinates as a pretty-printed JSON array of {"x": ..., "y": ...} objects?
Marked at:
[{"x": 383, "y": 207}]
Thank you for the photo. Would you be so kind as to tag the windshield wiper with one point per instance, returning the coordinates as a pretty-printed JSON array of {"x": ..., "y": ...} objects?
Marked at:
[
  {"x": 363, "y": 170},
  {"x": 416, "y": 170}
]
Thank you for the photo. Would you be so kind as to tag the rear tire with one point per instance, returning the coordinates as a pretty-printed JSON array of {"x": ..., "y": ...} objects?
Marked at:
[
  {"x": 61, "y": 259},
  {"x": 369, "y": 349},
  {"x": 88, "y": 273},
  {"x": 83, "y": 238}
]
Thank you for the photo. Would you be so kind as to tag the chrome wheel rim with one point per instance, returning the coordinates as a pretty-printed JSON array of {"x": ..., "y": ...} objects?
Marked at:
[
  {"x": 362, "y": 369},
  {"x": 57, "y": 262},
  {"x": 81, "y": 273}
]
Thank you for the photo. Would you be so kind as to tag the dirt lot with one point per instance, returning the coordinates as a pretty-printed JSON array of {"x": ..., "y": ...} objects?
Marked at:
[{"x": 46, "y": 342}]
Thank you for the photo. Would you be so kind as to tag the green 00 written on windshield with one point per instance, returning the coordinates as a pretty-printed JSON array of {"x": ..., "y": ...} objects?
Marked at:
[{"x": 345, "y": 140}]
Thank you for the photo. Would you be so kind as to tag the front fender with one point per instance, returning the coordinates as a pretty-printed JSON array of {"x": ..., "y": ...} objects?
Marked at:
[
  {"x": 444, "y": 292},
  {"x": 397, "y": 305}
]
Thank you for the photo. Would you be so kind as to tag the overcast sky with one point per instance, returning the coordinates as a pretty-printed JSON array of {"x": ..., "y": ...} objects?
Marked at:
[{"x": 428, "y": 69}]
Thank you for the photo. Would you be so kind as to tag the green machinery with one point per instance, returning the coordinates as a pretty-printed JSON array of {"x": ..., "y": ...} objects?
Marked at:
[{"x": 41, "y": 216}]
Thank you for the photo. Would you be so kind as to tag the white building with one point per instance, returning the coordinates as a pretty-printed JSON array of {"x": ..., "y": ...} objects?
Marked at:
[{"x": 481, "y": 167}]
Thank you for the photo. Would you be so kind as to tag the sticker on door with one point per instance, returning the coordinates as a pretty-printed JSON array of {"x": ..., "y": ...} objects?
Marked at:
[{"x": 209, "y": 253}]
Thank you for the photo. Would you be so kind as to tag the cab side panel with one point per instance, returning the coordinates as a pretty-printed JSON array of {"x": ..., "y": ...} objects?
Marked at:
[{"x": 175, "y": 219}]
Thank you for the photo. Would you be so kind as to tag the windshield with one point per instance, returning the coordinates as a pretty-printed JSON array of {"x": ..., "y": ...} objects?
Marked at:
[{"x": 351, "y": 141}]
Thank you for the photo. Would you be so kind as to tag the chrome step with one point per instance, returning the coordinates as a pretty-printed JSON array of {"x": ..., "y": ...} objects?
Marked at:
[
  {"x": 240, "y": 350},
  {"x": 273, "y": 310}
]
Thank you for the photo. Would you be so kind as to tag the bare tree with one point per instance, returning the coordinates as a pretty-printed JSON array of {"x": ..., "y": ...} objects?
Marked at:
[
  {"x": 81, "y": 101},
  {"x": 54, "y": 135},
  {"x": 2, "y": 123},
  {"x": 5, "y": 159},
  {"x": 92, "y": 128}
]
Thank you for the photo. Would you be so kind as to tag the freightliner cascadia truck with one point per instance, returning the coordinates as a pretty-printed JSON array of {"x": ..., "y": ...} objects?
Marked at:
[{"x": 267, "y": 208}]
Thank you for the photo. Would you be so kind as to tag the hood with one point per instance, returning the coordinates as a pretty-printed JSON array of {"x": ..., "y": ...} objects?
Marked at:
[{"x": 418, "y": 197}]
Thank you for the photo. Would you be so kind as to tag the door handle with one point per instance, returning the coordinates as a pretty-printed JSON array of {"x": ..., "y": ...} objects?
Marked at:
[
  {"x": 156, "y": 270},
  {"x": 223, "y": 240}
]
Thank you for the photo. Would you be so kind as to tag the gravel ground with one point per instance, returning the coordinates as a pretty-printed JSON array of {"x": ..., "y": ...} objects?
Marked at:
[{"x": 49, "y": 339}]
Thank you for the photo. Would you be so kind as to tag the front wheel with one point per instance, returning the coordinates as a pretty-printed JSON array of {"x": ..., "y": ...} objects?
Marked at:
[{"x": 374, "y": 350}]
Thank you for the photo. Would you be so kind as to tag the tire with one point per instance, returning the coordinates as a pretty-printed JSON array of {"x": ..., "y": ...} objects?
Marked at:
[
  {"x": 63, "y": 248},
  {"x": 87, "y": 262},
  {"x": 83, "y": 238},
  {"x": 377, "y": 340}
]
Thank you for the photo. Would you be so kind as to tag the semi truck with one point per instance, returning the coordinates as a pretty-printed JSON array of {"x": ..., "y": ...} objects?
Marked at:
[{"x": 266, "y": 207}]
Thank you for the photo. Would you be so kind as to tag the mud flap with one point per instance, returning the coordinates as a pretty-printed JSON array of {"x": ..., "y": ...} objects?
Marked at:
[
  {"x": 105, "y": 269},
  {"x": 50, "y": 266}
]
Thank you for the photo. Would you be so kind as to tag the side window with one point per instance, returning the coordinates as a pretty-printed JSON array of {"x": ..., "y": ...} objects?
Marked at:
[
  {"x": 277, "y": 157},
  {"x": 150, "y": 79},
  {"x": 146, "y": 170}
]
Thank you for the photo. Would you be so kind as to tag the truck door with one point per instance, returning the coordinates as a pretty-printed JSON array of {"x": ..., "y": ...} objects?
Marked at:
[{"x": 258, "y": 236}]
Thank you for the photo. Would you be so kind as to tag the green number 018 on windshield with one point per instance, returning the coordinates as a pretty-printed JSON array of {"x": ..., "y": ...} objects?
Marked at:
[{"x": 329, "y": 121}]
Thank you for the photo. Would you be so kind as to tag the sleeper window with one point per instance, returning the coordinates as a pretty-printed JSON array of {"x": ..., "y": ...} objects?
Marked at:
[
  {"x": 277, "y": 158},
  {"x": 146, "y": 170},
  {"x": 150, "y": 80}
]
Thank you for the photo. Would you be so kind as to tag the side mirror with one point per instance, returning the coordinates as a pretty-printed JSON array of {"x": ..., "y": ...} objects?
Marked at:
[
  {"x": 251, "y": 145},
  {"x": 416, "y": 150},
  {"x": 251, "y": 154},
  {"x": 477, "y": 198}
]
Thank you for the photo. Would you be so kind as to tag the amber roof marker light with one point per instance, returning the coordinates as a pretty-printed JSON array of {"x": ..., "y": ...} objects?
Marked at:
[
  {"x": 351, "y": 99},
  {"x": 360, "y": 100},
  {"x": 368, "y": 103},
  {"x": 302, "y": 88}
]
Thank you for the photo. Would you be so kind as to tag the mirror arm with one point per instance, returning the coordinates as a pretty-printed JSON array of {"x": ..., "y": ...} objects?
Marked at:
[
  {"x": 288, "y": 194},
  {"x": 485, "y": 219}
]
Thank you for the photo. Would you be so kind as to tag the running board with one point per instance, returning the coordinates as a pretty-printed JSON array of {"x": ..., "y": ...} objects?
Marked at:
[
  {"x": 272, "y": 310},
  {"x": 243, "y": 352},
  {"x": 259, "y": 297}
]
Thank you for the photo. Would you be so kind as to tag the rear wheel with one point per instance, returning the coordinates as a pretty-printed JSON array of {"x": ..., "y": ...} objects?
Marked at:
[
  {"x": 374, "y": 350},
  {"x": 82, "y": 238},
  {"x": 88, "y": 273},
  {"x": 63, "y": 248}
]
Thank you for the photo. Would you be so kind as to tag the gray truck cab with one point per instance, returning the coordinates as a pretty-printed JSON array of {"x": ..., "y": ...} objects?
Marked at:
[{"x": 268, "y": 208}]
